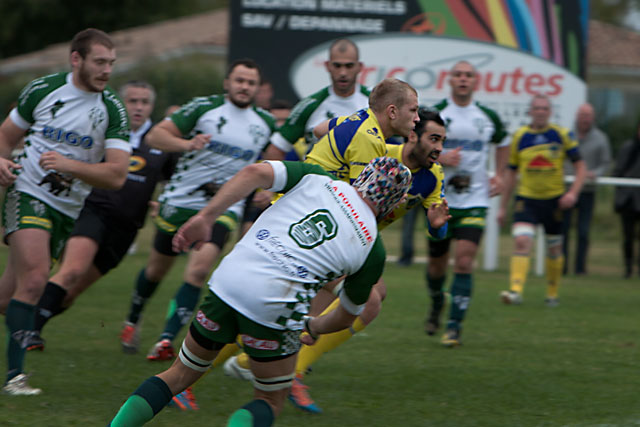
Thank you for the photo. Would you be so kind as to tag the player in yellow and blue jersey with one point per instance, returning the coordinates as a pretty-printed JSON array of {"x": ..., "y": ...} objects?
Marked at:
[{"x": 537, "y": 154}]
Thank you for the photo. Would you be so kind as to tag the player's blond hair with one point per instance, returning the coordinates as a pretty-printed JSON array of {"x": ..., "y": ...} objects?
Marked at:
[{"x": 389, "y": 92}]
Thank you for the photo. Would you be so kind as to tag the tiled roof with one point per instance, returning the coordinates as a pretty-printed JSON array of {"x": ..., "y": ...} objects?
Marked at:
[
  {"x": 613, "y": 46},
  {"x": 206, "y": 30}
]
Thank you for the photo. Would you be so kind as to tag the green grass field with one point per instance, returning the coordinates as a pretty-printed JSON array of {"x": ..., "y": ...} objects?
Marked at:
[{"x": 574, "y": 365}]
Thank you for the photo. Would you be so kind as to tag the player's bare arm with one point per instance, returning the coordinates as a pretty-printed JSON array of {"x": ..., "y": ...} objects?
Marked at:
[
  {"x": 167, "y": 137},
  {"x": 193, "y": 232},
  {"x": 10, "y": 135},
  {"x": 109, "y": 174}
]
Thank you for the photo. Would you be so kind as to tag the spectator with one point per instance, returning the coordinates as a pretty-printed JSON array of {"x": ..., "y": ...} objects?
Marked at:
[
  {"x": 596, "y": 153},
  {"x": 627, "y": 199}
]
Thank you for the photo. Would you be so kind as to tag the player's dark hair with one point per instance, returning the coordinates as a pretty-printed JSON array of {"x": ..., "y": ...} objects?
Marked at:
[
  {"x": 427, "y": 115},
  {"x": 82, "y": 41},
  {"x": 247, "y": 62}
]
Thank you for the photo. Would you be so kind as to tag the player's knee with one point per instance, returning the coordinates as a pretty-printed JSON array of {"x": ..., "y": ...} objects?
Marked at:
[
  {"x": 196, "y": 276},
  {"x": 274, "y": 390},
  {"x": 554, "y": 245},
  {"x": 381, "y": 289},
  {"x": 371, "y": 309},
  {"x": 32, "y": 285}
]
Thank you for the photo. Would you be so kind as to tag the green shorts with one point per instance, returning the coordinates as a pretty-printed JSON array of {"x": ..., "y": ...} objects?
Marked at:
[
  {"x": 465, "y": 218},
  {"x": 219, "y": 322},
  {"x": 21, "y": 210},
  {"x": 170, "y": 218}
]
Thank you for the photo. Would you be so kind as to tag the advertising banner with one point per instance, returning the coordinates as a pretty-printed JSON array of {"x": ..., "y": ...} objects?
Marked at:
[{"x": 519, "y": 47}]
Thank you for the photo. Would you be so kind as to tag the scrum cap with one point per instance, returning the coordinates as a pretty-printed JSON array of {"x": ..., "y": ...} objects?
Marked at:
[{"x": 384, "y": 181}]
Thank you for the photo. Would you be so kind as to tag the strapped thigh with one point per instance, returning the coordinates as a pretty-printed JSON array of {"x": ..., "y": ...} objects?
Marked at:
[{"x": 274, "y": 383}]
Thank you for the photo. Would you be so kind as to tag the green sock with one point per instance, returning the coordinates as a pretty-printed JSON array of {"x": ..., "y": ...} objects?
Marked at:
[
  {"x": 148, "y": 399},
  {"x": 19, "y": 319},
  {"x": 142, "y": 292},
  {"x": 257, "y": 413},
  {"x": 180, "y": 310},
  {"x": 460, "y": 298},
  {"x": 435, "y": 286}
]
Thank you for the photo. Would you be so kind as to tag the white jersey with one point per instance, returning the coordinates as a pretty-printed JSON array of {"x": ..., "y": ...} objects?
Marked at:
[
  {"x": 238, "y": 136},
  {"x": 318, "y": 231},
  {"x": 315, "y": 109},
  {"x": 472, "y": 127},
  {"x": 77, "y": 124}
]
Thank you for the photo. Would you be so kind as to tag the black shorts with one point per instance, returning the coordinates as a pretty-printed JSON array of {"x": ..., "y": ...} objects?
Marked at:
[
  {"x": 163, "y": 241},
  {"x": 437, "y": 248},
  {"x": 113, "y": 238},
  {"x": 543, "y": 211}
]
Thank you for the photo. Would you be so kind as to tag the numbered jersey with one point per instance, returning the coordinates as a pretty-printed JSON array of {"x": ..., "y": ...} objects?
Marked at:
[
  {"x": 318, "y": 231},
  {"x": 472, "y": 128},
  {"x": 315, "y": 109},
  {"x": 77, "y": 124},
  {"x": 238, "y": 136}
]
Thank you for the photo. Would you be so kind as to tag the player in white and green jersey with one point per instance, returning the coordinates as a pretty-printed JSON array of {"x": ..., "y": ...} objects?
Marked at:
[
  {"x": 341, "y": 98},
  {"x": 219, "y": 135},
  {"x": 320, "y": 229},
  {"x": 471, "y": 128},
  {"x": 70, "y": 123}
]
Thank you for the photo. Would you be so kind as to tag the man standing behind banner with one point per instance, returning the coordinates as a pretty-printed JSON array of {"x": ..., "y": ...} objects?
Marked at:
[{"x": 595, "y": 150}]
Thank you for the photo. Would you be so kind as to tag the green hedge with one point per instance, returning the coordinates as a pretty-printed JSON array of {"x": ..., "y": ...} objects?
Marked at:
[{"x": 176, "y": 80}]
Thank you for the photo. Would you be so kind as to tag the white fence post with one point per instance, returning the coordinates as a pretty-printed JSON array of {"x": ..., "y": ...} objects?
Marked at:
[{"x": 492, "y": 231}]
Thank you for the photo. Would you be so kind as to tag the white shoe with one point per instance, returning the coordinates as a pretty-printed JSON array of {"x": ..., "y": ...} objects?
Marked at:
[
  {"x": 551, "y": 302},
  {"x": 18, "y": 386},
  {"x": 233, "y": 369},
  {"x": 511, "y": 297}
]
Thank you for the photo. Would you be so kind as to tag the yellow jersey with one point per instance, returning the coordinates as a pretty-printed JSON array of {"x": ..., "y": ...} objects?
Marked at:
[
  {"x": 350, "y": 145},
  {"x": 538, "y": 156},
  {"x": 427, "y": 188}
]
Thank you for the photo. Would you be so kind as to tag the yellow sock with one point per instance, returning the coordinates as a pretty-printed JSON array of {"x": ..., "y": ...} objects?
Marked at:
[
  {"x": 519, "y": 271},
  {"x": 554, "y": 273},
  {"x": 243, "y": 360},
  {"x": 310, "y": 353}
]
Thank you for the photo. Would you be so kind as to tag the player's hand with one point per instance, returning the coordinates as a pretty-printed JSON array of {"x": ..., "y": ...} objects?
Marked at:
[
  {"x": 496, "y": 185},
  {"x": 262, "y": 199},
  {"x": 154, "y": 208},
  {"x": 567, "y": 201},
  {"x": 7, "y": 177},
  {"x": 438, "y": 214},
  {"x": 451, "y": 158},
  {"x": 199, "y": 141},
  {"x": 308, "y": 337},
  {"x": 193, "y": 234},
  {"x": 52, "y": 160}
]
